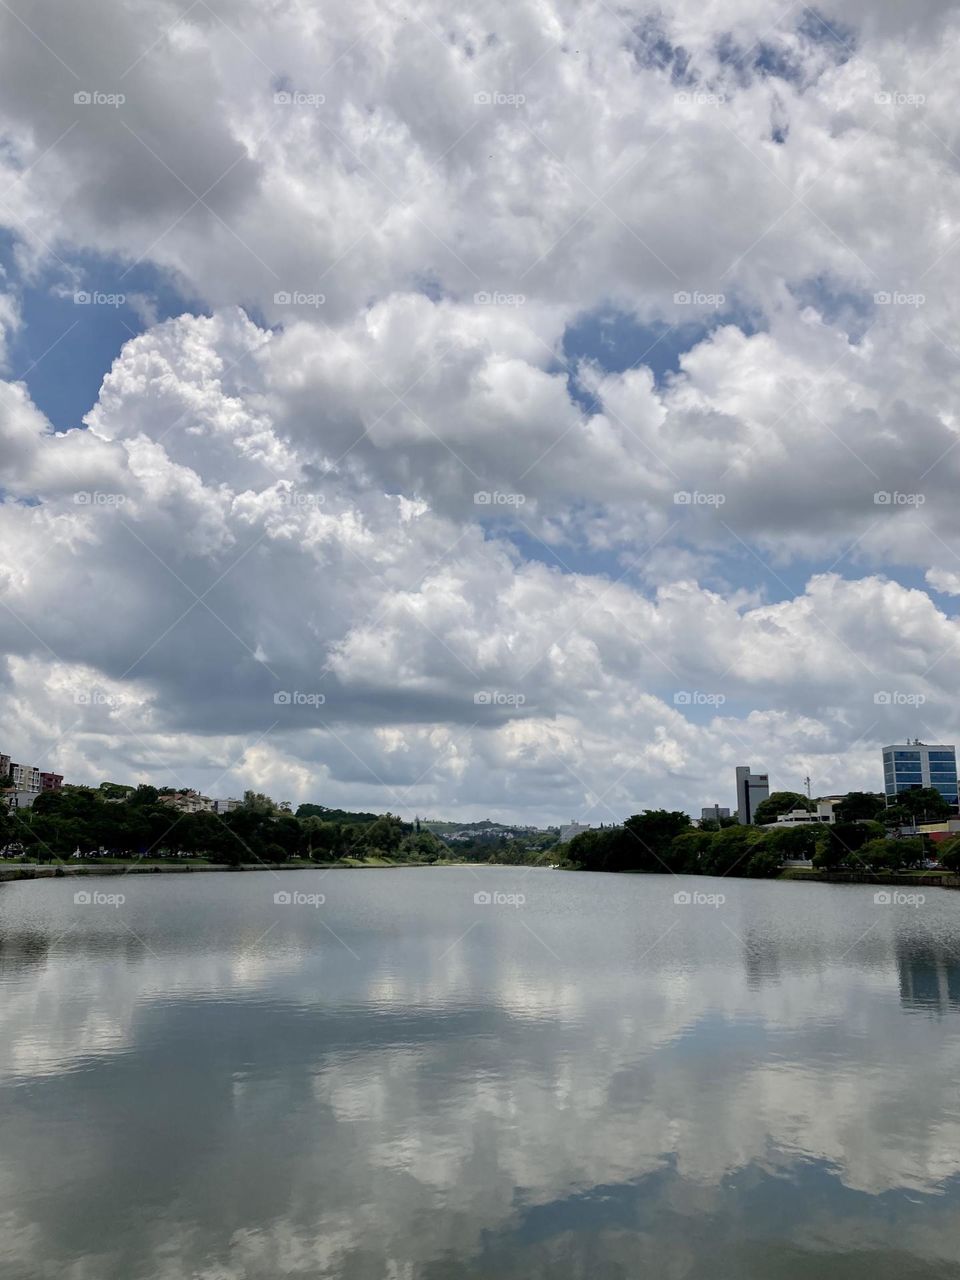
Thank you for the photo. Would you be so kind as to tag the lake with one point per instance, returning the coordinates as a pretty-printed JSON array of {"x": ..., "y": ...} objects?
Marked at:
[{"x": 477, "y": 1073}]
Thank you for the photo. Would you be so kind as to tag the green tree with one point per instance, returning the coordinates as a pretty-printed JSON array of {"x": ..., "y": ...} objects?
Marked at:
[
  {"x": 648, "y": 836},
  {"x": 895, "y": 815},
  {"x": 600, "y": 849},
  {"x": 769, "y": 810},
  {"x": 844, "y": 841},
  {"x": 763, "y": 863},
  {"x": 688, "y": 847},
  {"x": 924, "y": 804},
  {"x": 257, "y": 802},
  {"x": 859, "y": 805},
  {"x": 384, "y": 836},
  {"x": 143, "y": 795},
  {"x": 882, "y": 854},
  {"x": 730, "y": 850},
  {"x": 797, "y": 843}
]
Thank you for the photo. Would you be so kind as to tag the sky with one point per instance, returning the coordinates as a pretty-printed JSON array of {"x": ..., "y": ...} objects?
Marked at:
[{"x": 528, "y": 411}]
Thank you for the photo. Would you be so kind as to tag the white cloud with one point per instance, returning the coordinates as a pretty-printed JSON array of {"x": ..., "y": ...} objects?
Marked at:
[{"x": 283, "y": 493}]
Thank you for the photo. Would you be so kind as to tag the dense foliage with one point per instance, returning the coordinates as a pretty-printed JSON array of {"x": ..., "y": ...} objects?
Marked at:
[
  {"x": 660, "y": 840},
  {"x": 657, "y": 840},
  {"x": 778, "y": 802},
  {"x": 140, "y": 825},
  {"x": 125, "y": 822}
]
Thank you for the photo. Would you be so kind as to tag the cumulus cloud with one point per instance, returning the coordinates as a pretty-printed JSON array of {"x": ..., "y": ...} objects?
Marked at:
[{"x": 368, "y": 468}]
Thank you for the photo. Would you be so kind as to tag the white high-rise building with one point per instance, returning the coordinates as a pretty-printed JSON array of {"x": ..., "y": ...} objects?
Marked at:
[{"x": 751, "y": 789}]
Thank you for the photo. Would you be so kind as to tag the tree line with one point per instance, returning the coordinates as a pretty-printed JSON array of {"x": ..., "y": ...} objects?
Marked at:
[
  {"x": 138, "y": 824},
  {"x": 659, "y": 840}
]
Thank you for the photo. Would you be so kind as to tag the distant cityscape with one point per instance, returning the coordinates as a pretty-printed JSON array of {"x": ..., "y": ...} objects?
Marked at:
[
  {"x": 907, "y": 766},
  {"x": 20, "y": 784}
]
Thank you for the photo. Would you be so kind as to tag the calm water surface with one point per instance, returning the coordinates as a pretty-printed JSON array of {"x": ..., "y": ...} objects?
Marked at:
[{"x": 404, "y": 1083}]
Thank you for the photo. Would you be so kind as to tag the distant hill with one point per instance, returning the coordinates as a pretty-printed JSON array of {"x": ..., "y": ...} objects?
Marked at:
[{"x": 486, "y": 827}]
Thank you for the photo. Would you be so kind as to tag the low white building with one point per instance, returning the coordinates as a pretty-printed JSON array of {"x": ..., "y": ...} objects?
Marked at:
[{"x": 803, "y": 818}]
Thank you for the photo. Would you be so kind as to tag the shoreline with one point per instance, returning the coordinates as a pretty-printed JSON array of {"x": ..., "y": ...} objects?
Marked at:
[{"x": 17, "y": 872}]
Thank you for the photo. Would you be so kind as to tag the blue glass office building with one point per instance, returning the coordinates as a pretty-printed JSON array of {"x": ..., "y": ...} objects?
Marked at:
[{"x": 914, "y": 764}]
